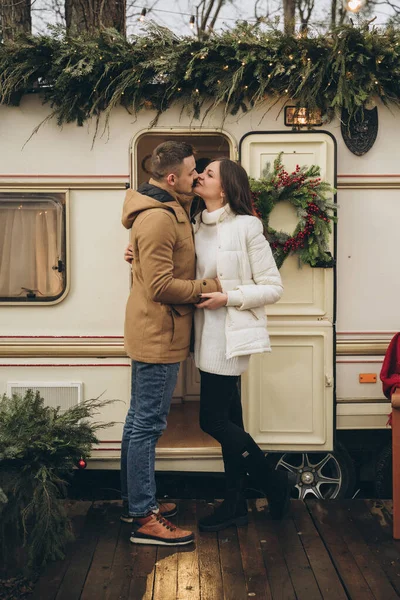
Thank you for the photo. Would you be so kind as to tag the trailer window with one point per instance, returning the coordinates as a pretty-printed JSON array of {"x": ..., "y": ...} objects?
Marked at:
[{"x": 32, "y": 246}]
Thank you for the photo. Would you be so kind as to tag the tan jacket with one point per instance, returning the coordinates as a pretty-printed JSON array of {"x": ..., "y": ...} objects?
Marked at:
[{"x": 159, "y": 311}]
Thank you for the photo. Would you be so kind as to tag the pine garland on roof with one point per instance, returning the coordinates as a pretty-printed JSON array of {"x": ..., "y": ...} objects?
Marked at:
[{"x": 83, "y": 77}]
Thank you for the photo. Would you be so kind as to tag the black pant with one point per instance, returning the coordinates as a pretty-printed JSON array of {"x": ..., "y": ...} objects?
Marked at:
[{"x": 221, "y": 417}]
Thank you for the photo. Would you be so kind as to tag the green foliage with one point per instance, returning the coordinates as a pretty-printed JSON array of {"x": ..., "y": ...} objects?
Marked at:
[
  {"x": 82, "y": 77},
  {"x": 39, "y": 447},
  {"x": 309, "y": 196}
]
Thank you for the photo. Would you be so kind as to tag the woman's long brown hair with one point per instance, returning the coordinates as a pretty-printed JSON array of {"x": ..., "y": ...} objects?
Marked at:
[{"x": 235, "y": 184}]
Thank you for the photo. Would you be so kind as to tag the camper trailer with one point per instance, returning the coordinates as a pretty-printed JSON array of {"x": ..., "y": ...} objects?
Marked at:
[{"x": 64, "y": 284}]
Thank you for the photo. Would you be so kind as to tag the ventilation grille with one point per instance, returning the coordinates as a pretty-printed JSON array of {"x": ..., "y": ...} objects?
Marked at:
[{"x": 62, "y": 394}]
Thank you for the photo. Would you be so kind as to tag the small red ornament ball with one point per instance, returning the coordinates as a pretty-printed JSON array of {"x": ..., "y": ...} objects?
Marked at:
[{"x": 82, "y": 464}]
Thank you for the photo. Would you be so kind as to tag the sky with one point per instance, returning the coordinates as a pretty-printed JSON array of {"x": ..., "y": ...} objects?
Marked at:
[{"x": 175, "y": 14}]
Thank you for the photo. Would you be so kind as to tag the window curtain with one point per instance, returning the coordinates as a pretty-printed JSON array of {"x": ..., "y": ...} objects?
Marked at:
[{"x": 30, "y": 246}]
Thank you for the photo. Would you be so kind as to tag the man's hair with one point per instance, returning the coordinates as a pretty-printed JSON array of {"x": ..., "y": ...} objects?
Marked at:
[{"x": 168, "y": 158}]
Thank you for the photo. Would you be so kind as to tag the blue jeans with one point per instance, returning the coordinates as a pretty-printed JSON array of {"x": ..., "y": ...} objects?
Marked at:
[{"x": 151, "y": 394}]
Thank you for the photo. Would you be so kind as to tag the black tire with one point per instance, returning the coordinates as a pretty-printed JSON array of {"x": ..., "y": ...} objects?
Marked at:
[
  {"x": 383, "y": 473},
  {"x": 335, "y": 479}
]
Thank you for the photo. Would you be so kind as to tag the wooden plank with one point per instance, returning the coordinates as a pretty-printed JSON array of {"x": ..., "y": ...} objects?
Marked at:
[
  {"x": 99, "y": 574},
  {"x": 274, "y": 561},
  {"x": 49, "y": 583},
  {"x": 252, "y": 558},
  {"x": 166, "y": 574},
  {"x": 211, "y": 587},
  {"x": 144, "y": 565},
  {"x": 378, "y": 535},
  {"x": 231, "y": 564},
  {"x": 324, "y": 572},
  {"x": 303, "y": 580},
  {"x": 75, "y": 577},
  {"x": 365, "y": 559},
  {"x": 122, "y": 566},
  {"x": 188, "y": 556},
  {"x": 351, "y": 576}
]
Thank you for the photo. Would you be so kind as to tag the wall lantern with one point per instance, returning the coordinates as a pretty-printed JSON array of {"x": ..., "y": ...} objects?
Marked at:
[{"x": 297, "y": 116}]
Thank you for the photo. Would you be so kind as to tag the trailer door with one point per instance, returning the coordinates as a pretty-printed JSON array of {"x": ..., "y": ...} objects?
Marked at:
[{"x": 288, "y": 395}]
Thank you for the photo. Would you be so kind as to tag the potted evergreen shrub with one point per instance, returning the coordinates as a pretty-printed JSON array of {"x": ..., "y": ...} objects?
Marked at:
[{"x": 39, "y": 447}]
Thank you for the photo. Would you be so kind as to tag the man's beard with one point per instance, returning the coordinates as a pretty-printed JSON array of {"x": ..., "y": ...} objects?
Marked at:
[{"x": 190, "y": 194}]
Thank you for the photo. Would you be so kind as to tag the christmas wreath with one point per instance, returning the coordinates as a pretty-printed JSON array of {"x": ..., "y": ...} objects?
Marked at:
[{"x": 305, "y": 190}]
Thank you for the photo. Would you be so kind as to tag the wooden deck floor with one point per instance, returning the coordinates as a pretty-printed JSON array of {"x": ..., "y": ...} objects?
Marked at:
[{"x": 333, "y": 550}]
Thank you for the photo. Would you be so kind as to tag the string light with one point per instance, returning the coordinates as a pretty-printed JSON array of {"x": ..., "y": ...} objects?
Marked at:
[
  {"x": 354, "y": 5},
  {"x": 191, "y": 22},
  {"x": 143, "y": 15}
]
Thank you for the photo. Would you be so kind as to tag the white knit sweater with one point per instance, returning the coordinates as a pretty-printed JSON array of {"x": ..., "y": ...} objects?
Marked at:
[{"x": 210, "y": 337}]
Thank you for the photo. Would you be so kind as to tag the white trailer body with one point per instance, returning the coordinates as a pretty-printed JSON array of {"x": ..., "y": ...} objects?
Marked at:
[{"x": 330, "y": 329}]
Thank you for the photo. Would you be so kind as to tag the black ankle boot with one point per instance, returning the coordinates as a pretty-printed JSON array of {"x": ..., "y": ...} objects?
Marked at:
[
  {"x": 278, "y": 494},
  {"x": 232, "y": 511},
  {"x": 276, "y": 485}
]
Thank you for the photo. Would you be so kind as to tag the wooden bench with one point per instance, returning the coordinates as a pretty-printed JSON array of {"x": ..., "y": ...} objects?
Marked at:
[{"x": 395, "y": 399}]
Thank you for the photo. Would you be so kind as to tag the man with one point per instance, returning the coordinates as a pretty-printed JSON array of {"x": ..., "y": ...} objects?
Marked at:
[{"x": 157, "y": 329}]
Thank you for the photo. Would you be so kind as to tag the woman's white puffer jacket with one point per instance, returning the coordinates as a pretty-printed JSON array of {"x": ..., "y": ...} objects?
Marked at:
[{"x": 249, "y": 275}]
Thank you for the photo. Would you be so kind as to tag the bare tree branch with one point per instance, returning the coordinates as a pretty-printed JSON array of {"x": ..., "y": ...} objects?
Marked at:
[
  {"x": 90, "y": 15},
  {"x": 15, "y": 18},
  {"x": 289, "y": 13},
  {"x": 305, "y": 8}
]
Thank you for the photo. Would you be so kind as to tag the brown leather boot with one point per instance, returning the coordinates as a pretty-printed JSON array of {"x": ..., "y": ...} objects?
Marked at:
[
  {"x": 167, "y": 510},
  {"x": 154, "y": 529}
]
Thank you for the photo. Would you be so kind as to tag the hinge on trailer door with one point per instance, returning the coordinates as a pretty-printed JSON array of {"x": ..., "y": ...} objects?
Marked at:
[{"x": 328, "y": 381}]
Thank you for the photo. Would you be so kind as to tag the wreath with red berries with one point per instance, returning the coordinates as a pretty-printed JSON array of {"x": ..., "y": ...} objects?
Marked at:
[{"x": 309, "y": 195}]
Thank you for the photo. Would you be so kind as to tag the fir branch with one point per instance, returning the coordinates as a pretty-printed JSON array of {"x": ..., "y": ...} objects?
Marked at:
[{"x": 83, "y": 77}]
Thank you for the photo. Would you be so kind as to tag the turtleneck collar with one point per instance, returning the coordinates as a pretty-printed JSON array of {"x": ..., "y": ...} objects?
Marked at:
[{"x": 211, "y": 218}]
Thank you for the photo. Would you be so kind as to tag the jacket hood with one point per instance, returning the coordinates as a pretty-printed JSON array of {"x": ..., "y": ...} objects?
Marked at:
[{"x": 147, "y": 197}]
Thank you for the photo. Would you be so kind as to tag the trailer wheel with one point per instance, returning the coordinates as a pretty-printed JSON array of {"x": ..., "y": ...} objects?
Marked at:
[
  {"x": 320, "y": 475},
  {"x": 383, "y": 473}
]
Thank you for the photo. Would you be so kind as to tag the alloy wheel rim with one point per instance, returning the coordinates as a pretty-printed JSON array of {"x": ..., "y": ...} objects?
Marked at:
[{"x": 319, "y": 475}]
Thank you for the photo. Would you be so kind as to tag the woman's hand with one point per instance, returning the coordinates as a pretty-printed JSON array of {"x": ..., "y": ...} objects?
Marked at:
[
  {"x": 128, "y": 254},
  {"x": 213, "y": 300}
]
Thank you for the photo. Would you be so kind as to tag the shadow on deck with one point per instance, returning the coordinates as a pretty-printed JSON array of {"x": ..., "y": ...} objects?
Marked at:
[{"x": 325, "y": 549}]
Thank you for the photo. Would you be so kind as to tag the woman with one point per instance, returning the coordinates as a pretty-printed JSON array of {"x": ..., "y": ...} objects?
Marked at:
[{"x": 229, "y": 327}]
